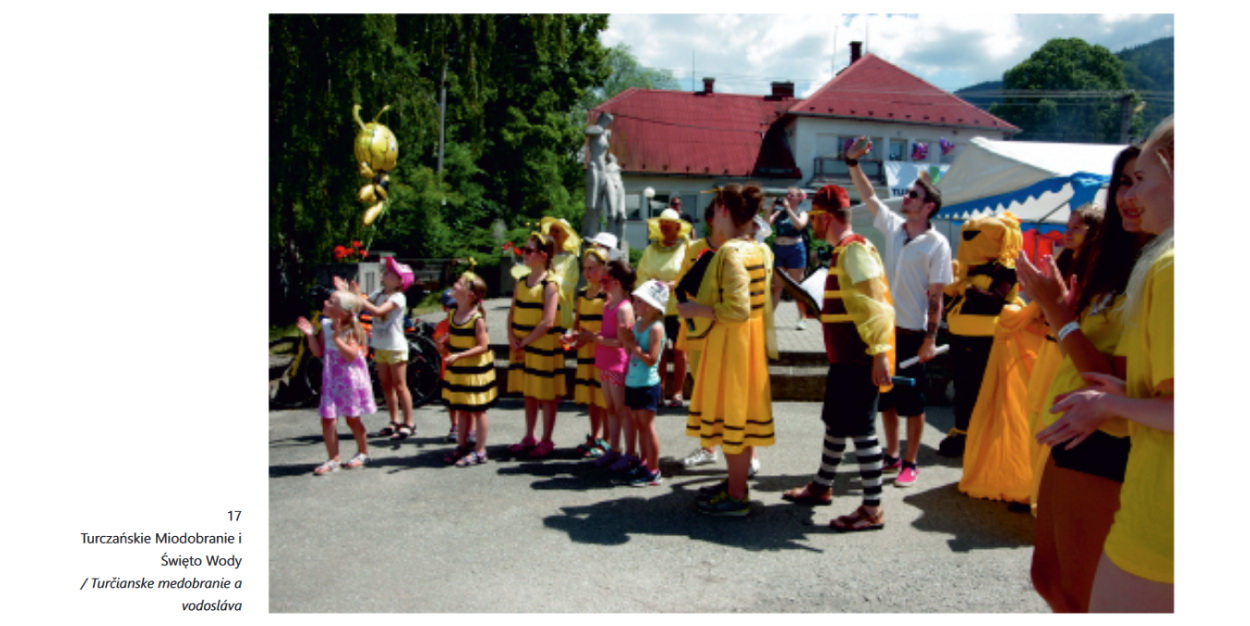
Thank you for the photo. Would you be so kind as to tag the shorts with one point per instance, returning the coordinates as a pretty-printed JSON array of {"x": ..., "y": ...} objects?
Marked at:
[
  {"x": 850, "y": 407},
  {"x": 790, "y": 257},
  {"x": 388, "y": 357},
  {"x": 609, "y": 377},
  {"x": 643, "y": 398},
  {"x": 907, "y": 400},
  {"x": 672, "y": 326}
]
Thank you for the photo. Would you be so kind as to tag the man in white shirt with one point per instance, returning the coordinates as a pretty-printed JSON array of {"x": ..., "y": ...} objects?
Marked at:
[{"x": 918, "y": 263}]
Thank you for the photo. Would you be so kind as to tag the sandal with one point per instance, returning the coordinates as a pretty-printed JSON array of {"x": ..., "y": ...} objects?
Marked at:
[
  {"x": 676, "y": 402},
  {"x": 811, "y": 493},
  {"x": 389, "y": 429},
  {"x": 861, "y": 519},
  {"x": 360, "y": 459},
  {"x": 584, "y": 448},
  {"x": 542, "y": 450},
  {"x": 472, "y": 458},
  {"x": 455, "y": 455},
  {"x": 524, "y": 446},
  {"x": 327, "y": 467},
  {"x": 403, "y": 432}
]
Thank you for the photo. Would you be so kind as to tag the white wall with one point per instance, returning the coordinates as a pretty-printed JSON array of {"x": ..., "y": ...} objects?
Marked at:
[{"x": 805, "y": 134}]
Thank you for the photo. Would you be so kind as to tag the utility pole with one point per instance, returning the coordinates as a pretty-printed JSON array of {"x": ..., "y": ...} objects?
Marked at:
[
  {"x": 442, "y": 116},
  {"x": 1126, "y": 115}
]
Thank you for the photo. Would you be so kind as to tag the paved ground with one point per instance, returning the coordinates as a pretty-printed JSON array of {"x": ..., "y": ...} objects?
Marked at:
[{"x": 407, "y": 534}]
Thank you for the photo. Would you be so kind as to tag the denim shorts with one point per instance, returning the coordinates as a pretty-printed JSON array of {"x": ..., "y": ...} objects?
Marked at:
[
  {"x": 791, "y": 257},
  {"x": 643, "y": 398}
]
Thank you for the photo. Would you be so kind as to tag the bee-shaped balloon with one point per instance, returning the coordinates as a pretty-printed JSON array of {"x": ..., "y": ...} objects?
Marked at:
[{"x": 377, "y": 151}]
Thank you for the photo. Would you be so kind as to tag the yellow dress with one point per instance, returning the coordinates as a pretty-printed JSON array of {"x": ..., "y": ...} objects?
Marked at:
[
  {"x": 540, "y": 373},
  {"x": 586, "y": 388},
  {"x": 1141, "y": 538},
  {"x": 692, "y": 346},
  {"x": 1049, "y": 357},
  {"x": 998, "y": 454},
  {"x": 732, "y": 401},
  {"x": 470, "y": 382}
]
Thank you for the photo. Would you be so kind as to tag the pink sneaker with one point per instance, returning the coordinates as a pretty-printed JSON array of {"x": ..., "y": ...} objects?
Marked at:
[{"x": 907, "y": 477}]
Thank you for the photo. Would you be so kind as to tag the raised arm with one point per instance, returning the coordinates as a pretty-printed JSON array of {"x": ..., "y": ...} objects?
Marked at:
[{"x": 862, "y": 185}]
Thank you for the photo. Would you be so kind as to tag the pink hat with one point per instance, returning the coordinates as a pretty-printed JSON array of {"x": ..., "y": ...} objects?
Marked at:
[{"x": 406, "y": 277}]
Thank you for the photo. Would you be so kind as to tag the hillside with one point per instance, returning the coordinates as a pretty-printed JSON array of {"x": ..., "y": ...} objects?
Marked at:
[{"x": 1148, "y": 68}]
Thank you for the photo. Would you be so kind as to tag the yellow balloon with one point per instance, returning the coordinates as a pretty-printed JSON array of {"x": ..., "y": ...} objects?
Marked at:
[
  {"x": 376, "y": 148},
  {"x": 372, "y": 213}
]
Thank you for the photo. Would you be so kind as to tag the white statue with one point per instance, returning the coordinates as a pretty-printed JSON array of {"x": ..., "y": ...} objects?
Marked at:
[
  {"x": 597, "y": 194},
  {"x": 615, "y": 199}
]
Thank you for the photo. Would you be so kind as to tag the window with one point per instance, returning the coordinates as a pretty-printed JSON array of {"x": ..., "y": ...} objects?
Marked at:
[{"x": 898, "y": 150}]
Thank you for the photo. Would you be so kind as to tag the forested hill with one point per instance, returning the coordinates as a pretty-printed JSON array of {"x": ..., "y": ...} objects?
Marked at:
[{"x": 1147, "y": 68}]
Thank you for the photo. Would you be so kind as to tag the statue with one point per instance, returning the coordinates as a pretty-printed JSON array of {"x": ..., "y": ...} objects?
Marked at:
[
  {"x": 615, "y": 200},
  {"x": 598, "y": 135}
]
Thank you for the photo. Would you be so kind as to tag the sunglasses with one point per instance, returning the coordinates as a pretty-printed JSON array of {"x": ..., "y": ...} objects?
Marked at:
[
  {"x": 913, "y": 194},
  {"x": 530, "y": 250}
]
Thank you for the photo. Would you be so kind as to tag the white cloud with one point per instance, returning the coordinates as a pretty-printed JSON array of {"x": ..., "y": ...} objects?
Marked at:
[{"x": 745, "y": 52}]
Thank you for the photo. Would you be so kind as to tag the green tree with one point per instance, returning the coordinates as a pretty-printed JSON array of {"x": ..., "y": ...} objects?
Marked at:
[
  {"x": 1055, "y": 112},
  {"x": 508, "y": 153}
]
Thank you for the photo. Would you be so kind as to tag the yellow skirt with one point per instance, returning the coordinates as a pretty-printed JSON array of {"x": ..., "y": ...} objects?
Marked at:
[
  {"x": 731, "y": 405},
  {"x": 586, "y": 388},
  {"x": 540, "y": 372}
]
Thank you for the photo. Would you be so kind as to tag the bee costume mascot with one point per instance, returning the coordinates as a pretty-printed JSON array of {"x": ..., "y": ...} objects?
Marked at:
[
  {"x": 985, "y": 281},
  {"x": 999, "y": 444}
]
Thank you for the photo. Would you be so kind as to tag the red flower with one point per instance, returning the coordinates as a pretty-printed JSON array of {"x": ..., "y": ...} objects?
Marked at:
[
  {"x": 355, "y": 244},
  {"x": 340, "y": 252},
  {"x": 364, "y": 253}
]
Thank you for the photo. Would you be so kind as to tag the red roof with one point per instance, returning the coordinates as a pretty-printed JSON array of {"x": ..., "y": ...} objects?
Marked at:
[
  {"x": 682, "y": 132},
  {"x": 874, "y": 89}
]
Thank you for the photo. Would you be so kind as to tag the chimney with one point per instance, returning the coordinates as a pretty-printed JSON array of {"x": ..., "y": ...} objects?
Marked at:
[
  {"x": 783, "y": 89},
  {"x": 855, "y": 50},
  {"x": 707, "y": 84}
]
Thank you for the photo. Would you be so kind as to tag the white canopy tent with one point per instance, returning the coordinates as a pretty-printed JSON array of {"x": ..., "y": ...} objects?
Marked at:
[
  {"x": 1038, "y": 182},
  {"x": 1034, "y": 180}
]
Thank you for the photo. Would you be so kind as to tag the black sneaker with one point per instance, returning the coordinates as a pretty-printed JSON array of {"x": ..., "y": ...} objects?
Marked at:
[
  {"x": 706, "y": 493},
  {"x": 722, "y": 505}
]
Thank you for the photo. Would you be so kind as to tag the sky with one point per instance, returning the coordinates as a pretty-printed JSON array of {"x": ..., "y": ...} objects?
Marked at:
[{"x": 746, "y": 52}]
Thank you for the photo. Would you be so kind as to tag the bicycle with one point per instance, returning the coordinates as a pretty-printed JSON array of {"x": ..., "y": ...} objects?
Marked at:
[{"x": 300, "y": 383}]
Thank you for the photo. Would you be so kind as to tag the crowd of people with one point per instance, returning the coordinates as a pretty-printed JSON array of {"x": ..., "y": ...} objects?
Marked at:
[{"x": 1098, "y": 406}]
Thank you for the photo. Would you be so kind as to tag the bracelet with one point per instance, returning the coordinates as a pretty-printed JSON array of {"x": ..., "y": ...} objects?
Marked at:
[
  {"x": 852, "y": 162},
  {"x": 1067, "y": 329}
]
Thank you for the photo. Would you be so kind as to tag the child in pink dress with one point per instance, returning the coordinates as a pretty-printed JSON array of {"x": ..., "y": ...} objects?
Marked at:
[{"x": 345, "y": 386}]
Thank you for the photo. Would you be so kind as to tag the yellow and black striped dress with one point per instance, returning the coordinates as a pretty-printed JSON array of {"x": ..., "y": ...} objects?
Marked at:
[
  {"x": 540, "y": 374},
  {"x": 586, "y": 388},
  {"x": 470, "y": 383},
  {"x": 732, "y": 401}
]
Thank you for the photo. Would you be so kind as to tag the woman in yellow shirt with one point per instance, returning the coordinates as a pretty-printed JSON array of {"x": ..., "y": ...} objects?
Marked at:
[
  {"x": 1135, "y": 572},
  {"x": 662, "y": 260}
]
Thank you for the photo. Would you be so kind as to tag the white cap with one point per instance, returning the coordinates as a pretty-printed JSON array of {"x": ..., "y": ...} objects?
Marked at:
[{"x": 653, "y": 292}]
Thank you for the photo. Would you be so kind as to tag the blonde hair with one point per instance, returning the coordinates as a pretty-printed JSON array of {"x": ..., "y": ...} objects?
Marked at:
[
  {"x": 1161, "y": 144},
  {"x": 600, "y": 255},
  {"x": 350, "y": 303},
  {"x": 477, "y": 287}
]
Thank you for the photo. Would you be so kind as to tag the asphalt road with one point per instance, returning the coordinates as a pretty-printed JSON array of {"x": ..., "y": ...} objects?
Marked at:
[{"x": 408, "y": 534}]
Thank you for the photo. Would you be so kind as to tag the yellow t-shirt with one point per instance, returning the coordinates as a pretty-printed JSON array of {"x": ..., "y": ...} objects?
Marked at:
[
  {"x": 1141, "y": 538},
  {"x": 665, "y": 264},
  {"x": 1101, "y": 324}
]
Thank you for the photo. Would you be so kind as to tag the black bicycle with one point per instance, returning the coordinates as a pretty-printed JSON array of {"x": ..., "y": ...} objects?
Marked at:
[{"x": 300, "y": 383}]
